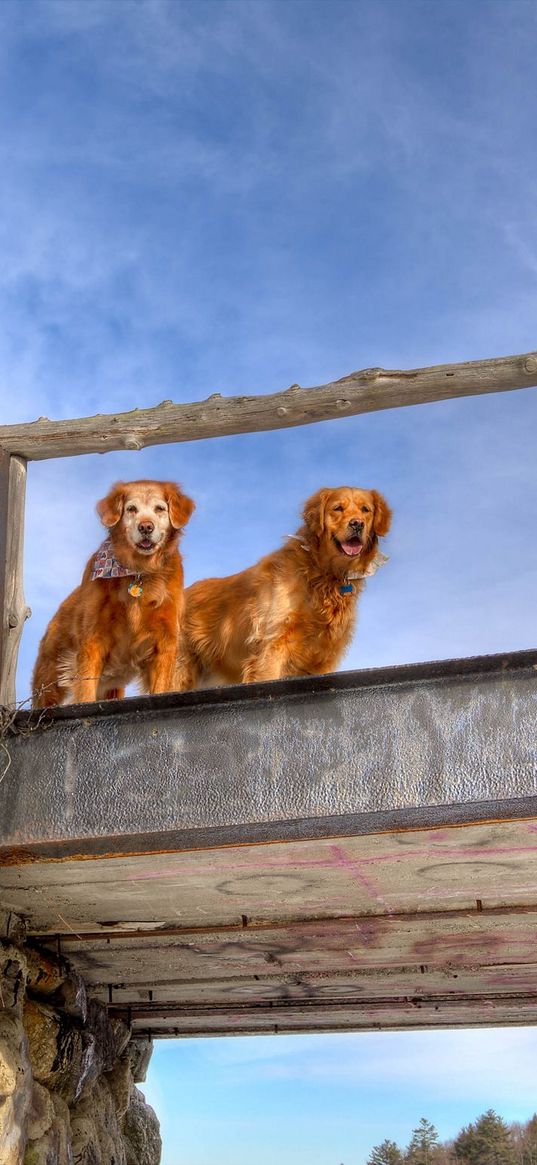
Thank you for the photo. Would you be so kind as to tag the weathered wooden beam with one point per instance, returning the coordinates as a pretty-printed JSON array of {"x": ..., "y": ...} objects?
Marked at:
[
  {"x": 360, "y": 392},
  {"x": 13, "y": 609}
]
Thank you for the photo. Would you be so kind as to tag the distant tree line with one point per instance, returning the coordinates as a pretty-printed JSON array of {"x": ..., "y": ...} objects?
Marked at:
[{"x": 488, "y": 1141}]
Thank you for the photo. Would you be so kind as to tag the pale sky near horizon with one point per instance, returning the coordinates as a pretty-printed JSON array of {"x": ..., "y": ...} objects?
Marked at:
[{"x": 233, "y": 196}]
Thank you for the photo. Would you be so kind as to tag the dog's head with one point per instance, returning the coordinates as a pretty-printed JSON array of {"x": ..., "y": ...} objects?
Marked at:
[
  {"x": 345, "y": 525},
  {"x": 145, "y": 515}
]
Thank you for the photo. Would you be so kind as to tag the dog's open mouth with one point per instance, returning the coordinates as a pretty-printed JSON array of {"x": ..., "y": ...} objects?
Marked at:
[
  {"x": 145, "y": 544},
  {"x": 350, "y": 546}
]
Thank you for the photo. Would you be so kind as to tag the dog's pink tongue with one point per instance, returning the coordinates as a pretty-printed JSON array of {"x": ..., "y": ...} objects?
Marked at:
[{"x": 352, "y": 547}]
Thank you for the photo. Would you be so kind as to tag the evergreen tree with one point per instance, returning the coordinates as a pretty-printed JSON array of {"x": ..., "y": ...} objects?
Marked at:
[
  {"x": 487, "y": 1142},
  {"x": 464, "y": 1146},
  {"x": 388, "y": 1153},
  {"x": 424, "y": 1144}
]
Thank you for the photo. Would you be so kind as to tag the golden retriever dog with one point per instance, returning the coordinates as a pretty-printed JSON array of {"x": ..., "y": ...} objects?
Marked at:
[
  {"x": 122, "y": 623},
  {"x": 294, "y": 612}
]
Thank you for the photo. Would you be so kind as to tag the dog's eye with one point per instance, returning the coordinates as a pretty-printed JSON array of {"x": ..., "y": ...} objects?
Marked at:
[
  {"x": 161, "y": 509},
  {"x": 131, "y": 509},
  {"x": 366, "y": 510},
  {"x": 338, "y": 509}
]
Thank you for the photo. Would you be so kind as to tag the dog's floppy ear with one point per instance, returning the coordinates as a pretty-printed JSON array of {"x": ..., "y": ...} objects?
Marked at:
[
  {"x": 383, "y": 514},
  {"x": 110, "y": 508},
  {"x": 313, "y": 512},
  {"x": 180, "y": 507}
]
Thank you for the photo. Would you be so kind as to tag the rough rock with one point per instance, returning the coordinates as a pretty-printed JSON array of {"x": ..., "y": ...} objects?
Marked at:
[
  {"x": 44, "y": 975},
  {"x": 140, "y": 1052},
  {"x": 112, "y": 1148},
  {"x": 61, "y": 986},
  {"x": 120, "y": 1083},
  {"x": 67, "y": 1094},
  {"x": 84, "y": 1140},
  {"x": 41, "y": 1114},
  {"x": 72, "y": 997},
  {"x": 13, "y": 972},
  {"x": 63, "y": 1056},
  {"x": 15, "y": 1088},
  {"x": 62, "y": 1122},
  {"x": 122, "y": 1034},
  {"x": 96, "y": 1129},
  {"x": 141, "y": 1132},
  {"x": 104, "y": 1035},
  {"x": 45, "y": 1150}
]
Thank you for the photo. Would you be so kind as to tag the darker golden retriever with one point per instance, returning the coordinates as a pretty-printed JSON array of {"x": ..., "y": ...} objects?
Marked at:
[
  {"x": 122, "y": 623},
  {"x": 293, "y": 613}
]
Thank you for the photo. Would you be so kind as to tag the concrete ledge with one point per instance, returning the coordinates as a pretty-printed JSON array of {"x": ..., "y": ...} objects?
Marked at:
[{"x": 430, "y": 743}]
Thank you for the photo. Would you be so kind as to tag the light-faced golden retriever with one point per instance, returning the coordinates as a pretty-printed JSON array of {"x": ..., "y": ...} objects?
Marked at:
[
  {"x": 293, "y": 613},
  {"x": 122, "y": 623}
]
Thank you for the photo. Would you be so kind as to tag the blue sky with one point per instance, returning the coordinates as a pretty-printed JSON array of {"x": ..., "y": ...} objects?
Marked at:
[
  {"x": 327, "y": 1100},
  {"x": 237, "y": 196}
]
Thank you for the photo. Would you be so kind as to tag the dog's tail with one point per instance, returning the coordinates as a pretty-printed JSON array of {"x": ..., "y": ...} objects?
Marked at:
[{"x": 46, "y": 690}]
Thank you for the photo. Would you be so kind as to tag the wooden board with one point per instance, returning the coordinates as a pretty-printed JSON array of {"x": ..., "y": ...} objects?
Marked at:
[{"x": 370, "y": 390}]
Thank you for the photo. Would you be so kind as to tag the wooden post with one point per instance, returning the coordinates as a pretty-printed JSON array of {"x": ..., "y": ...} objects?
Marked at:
[{"x": 13, "y": 608}]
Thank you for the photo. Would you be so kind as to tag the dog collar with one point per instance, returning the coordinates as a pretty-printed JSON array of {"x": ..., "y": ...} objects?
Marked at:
[
  {"x": 379, "y": 560},
  {"x": 347, "y": 588},
  {"x": 304, "y": 545}
]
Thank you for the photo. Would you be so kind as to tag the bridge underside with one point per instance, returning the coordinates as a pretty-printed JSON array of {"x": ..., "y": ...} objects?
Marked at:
[{"x": 351, "y": 852}]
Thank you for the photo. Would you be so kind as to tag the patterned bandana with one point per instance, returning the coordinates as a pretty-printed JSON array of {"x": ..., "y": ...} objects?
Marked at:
[{"x": 106, "y": 565}]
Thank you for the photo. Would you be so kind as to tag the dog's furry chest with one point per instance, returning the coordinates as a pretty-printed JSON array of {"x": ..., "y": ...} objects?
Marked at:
[
  {"x": 139, "y": 615},
  {"x": 320, "y": 629},
  {"x": 131, "y": 630}
]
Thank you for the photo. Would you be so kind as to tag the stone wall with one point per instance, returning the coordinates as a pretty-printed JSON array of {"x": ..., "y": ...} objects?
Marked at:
[{"x": 67, "y": 1072}]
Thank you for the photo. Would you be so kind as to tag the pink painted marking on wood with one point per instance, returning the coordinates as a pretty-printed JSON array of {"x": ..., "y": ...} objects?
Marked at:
[
  {"x": 461, "y": 852},
  {"x": 287, "y": 857},
  {"x": 353, "y": 865}
]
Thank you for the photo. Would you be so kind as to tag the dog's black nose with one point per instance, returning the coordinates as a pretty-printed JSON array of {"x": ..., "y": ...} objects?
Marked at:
[
  {"x": 146, "y": 528},
  {"x": 356, "y": 525}
]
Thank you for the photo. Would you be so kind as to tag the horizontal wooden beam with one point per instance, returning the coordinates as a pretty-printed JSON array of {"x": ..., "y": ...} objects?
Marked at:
[
  {"x": 110, "y": 934},
  {"x": 370, "y": 390}
]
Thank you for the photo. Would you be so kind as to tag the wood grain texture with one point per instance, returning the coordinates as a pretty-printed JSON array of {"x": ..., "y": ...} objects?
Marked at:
[
  {"x": 12, "y": 603},
  {"x": 370, "y": 390},
  {"x": 439, "y": 930}
]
